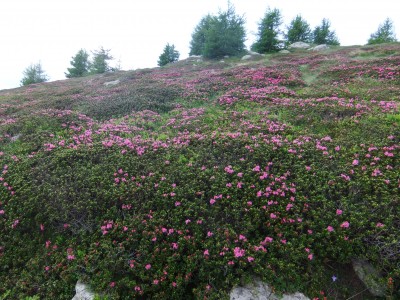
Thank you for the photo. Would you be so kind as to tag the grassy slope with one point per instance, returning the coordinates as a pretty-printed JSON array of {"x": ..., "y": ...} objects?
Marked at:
[{"x": 187, "y": 179}]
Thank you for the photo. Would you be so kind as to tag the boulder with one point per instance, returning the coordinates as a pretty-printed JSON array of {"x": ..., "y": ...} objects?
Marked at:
[
  {"x": 115, "y": 82},
  {"x": 83, "y": 292},
  {"x": 261, "y": 291},
  {"x": 247, "y": 57},
  {"x": 284, "y": 51},
  {"x": 370, "y": 276},
  {"x": 320, "y": 47},
  {"x": 299, "y": 45}
]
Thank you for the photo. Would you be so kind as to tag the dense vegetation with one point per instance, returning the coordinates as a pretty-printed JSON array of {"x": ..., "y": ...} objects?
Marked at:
[{"x": 183, "y": 181}]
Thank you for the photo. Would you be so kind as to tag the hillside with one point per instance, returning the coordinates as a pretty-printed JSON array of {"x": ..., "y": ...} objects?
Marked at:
[{"x": 183, "y": 181}]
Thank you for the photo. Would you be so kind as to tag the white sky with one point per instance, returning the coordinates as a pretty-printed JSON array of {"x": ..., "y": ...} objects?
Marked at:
[{"x": 136, "y": 31}]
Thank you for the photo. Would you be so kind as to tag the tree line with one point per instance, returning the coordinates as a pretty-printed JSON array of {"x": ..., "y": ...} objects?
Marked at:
[{"x": 220, "y": 35}]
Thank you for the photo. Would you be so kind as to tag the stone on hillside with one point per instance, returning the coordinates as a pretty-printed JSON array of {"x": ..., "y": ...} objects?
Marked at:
[
  {"x": 299, "y": 45},
  {"x": 82, "y": 292},
  {"x": 261, "y": 291},
  {"x": 115, "y": 82},
  {"x": 321, "y": 47},
  {"x": 255, "y": 53},
  {"x": 247, "y": 57},
  {"x": 370, "y": 277},
  {"x": 284, "y": 51}
]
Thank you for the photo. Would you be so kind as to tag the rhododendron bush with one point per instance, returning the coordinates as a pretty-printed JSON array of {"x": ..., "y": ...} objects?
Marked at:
[{"x": 184, "y": 181}]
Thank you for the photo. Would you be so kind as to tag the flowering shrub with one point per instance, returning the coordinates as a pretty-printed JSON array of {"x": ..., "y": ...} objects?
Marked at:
[{"x": 201, "y": 180}]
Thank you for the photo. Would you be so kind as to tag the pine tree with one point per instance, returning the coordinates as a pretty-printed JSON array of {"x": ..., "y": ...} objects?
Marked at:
[
  {"x": 100, "y": 61},
  {"x": 199, "y": 36},
  {"x": 384, "y": 34},
  {"x": 217, "y": 36},
  {"x": 268, "y": 32},
  {"x": 323, "y": 35},
  {"x": 298, "y": 31},
  {"x": 34, "y": 74},
  {"x": 169, "y": 55},
  {"x": 80, "y": 65}
]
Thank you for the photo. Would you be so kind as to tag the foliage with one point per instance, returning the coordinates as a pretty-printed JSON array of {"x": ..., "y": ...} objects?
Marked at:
[
  {"x": 223, "y": 35},
  {"x": 100, "y": 60},
  {"x": 34, "y": 74},
  {"x": 183, "y": 182},
  {"x": 323, "y": 35},
  {"x": 384, "y": 34},
  {"x": 268, "y": 32},
  {"x": 199, "y": 35},
  {"x": 80, "y": 65},
  {"x": 298, "y": 31},
  {"x": 169, "y": 55}
]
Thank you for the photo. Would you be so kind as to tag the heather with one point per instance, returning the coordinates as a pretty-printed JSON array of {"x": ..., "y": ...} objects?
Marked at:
[{"x": 183, "y": 181}]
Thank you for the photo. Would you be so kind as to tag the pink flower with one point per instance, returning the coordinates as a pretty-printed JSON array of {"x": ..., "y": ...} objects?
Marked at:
[
  {"x": 212, "y": 201},
  {"x": 289, "y": 206},
  {"x": 272, "y": 216},
  {"x": 250, "y": 259},
  {"x": 379, "y": 225},
  {"x": 210, "y": 234},
  {"x": 206, "y": 253},
  {"x": 177, "y": 203},
  {"x": 155, "y": 281},
  {"x": 339, "y": 212},
  {"x": 112, "y": 284},
  {"x": 1, "y": 212},
  {"x": 310, "y": 256},
  {"x": 70, "y": 257},
  {"x": 330, "y": 228},
  {"x": 238, "y": 252},
  {"x": 355, "y": 162},
  {"x": 174, "y": 284},
  {"x": 148, "y": 267},
  {"x": 345, "y": 224}
]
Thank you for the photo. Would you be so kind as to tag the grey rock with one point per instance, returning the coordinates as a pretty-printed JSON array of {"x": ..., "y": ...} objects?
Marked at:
[
  {"x": 261, "y": 291},
  {"x": 115, "y": 82},
  {"x": 284, "y": 51},
  {"x": 370, "y": 276},
  {"x": 299, "y": 45},
  {"x": 15, "y": 137},
  {"x": 247, "y": 57},
  {"x": 83, "y": 292},
  {"x": 321, "y": 47}
]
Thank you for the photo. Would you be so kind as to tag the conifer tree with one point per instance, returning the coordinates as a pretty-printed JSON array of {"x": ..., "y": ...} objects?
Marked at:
[
  {"x": 298, "y": 31},
  {"x": 100, "y": 61},
  {"x": 323, "y": 35},
  {"x": 80, "y": 65},
  {"x": 217, "y": 36},
  {"x": 384, "y": 34},
  {"x": 268, "y": 32},
  {"x": 169, "y": 55},
  {"x": 34, "y": 74}
]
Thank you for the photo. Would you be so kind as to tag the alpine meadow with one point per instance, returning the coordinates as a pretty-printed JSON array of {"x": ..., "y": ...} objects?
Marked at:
[{"x": 187, "y": 180}]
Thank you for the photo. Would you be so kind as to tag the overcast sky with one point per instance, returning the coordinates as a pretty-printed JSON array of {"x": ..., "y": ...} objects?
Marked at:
[{"x": 136, "y": 31}]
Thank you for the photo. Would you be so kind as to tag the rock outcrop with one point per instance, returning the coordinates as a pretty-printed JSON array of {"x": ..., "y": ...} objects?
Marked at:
[
  {"x": 299, "y": 45},
  {"x": 261, "y": 291},
  {"x": 83, "y": 292},
  {"x": 321, "y": 47},
  {"x": 370, "y": 276}
]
